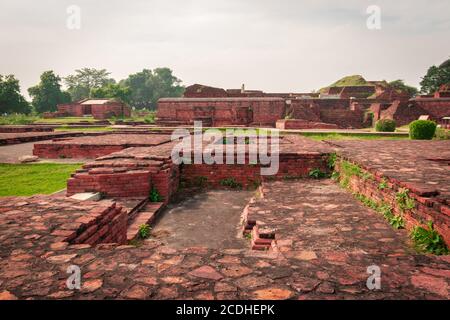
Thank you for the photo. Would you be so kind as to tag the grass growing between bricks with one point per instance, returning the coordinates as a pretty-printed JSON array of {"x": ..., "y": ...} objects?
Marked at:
[
  {"x": 31, "y": 179},
  {"x": 425, "y": 240}
]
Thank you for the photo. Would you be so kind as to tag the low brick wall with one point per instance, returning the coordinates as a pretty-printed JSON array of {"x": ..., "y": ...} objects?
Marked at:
[
  {"x": 24, "y": 137},
  {"x": 427, "y": 205},
  {"x": 15, "y": 129},
  {"x": 75, "y": 151},
  {"x": 304, "y": 124},
  {"x": 126, "y": 178},
  {"x": 103, "y": 224},
  {"x": 247, "y": 175},
  {"x": 134, "y": 183}
]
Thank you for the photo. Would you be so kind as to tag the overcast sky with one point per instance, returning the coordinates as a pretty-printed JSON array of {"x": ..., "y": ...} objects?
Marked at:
[{"x": 276, "y": 46}]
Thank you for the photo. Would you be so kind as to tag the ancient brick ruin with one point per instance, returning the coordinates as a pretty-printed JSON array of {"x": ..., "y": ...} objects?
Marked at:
[
  {"x": 307, "y": 238},
  {"x": 344, "y": 107},
  {"x": 97, "y": 108}
]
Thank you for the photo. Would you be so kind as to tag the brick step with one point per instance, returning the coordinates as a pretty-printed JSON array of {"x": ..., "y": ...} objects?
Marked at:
[{"x": 146, "y": 215}]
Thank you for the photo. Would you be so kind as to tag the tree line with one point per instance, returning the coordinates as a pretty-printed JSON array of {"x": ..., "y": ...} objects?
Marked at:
[{"x": 140, "y": 90}]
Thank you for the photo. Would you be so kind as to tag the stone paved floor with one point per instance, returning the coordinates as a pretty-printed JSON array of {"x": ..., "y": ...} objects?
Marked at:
[
  {"x": 325, "y": 242},
  {"x": 209, "y": 218}
]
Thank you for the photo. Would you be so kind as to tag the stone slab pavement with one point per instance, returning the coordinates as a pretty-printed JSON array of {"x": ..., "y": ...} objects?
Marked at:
[{"x": 325, "y": 242}]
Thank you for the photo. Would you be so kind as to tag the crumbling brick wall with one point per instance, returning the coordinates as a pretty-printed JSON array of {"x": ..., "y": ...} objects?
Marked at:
[
  {"x": 103, "y": 224},
  {"x": 221, "y": 111}
]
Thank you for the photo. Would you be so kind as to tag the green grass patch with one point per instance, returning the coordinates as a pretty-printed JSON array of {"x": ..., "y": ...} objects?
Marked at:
[
  {"x": 65, "y": 120},
  {"x": 30, "y": 179},
  {"x": 84, "y": 129},
  {"x": 351, "y": 136}
]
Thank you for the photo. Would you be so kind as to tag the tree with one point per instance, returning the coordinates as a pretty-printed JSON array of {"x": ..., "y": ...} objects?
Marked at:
[
  {"x": 147, "y": 87},
  {"x": 112, "y": 90},
  {"x": 84, "y": 80},
  {"x": 11, "y": 101},
  {"x": 47, "y": 94},
  {"x": 401, "y": 86},
  {"x": 435, "y": 77}
]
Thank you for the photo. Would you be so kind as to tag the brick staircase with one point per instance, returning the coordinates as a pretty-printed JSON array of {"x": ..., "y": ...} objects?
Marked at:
[{"x": 145, "y": 213}]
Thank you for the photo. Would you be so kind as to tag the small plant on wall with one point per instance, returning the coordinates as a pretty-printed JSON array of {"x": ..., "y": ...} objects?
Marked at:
[
  {"x": 404, "y": 201},
  {"x": 231, "y": 183},
  {"x": 317, "y": 174},
  {"x": 144, "y": 231},
  {"x": 429, "y": 240},
  {"x": 155, "y": 196}
]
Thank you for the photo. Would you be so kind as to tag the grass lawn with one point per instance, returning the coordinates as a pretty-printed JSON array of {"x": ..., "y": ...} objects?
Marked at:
[
  {"x": 353, "y": 136},
  {"x": 87, "y": 129},
  {"x": 65, "y": 120},
  {"x": 30, "y": 179}
]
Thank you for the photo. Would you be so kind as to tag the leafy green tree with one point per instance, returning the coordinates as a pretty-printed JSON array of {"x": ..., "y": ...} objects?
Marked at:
[
  {"x": 112, "y": 90},
  {"x": 47, "y": 94},
  {"x": 400, "y": 85},
  {"x": 11, "y": 100},
  {"x": 148, "y": 86},
  {"x": 84, "y": 80},
  {"x": 435, "y": 77}
]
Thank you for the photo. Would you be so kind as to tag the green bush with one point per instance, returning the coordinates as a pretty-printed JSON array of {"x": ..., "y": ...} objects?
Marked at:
[
  {"x": 429, "y": 240},
  {"x": 155, "y": 196},
  {"x": 442, "y": 134},
  {"x": 385, "y": 125},
  {"x": 422, "y": 129}
]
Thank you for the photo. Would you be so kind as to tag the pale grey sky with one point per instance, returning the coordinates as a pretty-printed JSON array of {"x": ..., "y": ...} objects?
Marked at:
[{"x": 276, "y": 46}]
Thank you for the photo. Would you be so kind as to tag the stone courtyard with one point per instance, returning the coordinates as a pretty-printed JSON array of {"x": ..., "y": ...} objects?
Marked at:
[{"x": 287, "y": 236}]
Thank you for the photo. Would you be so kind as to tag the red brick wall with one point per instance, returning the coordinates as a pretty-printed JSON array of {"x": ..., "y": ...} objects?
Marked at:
[
  {"x": 426, "y": 208},
  {"x": 16, "y": 129},
  {"x": 135, "y": 183},
  {"x": 436, "y": 108},
  {"x": 98, "y": 111},
  {"x": 304, "y": 124},
  {"x": 111, "y": 109},
  {"x": 222, "y": 111},
  {"x": 104, "y": 224},
  {"x": 294, "y": 166},
  {"x": 118, "y": 182},
  {"x": 74, "y": 151}
]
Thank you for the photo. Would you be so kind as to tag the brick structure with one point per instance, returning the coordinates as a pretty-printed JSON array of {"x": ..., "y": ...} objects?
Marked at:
[
  {"x": 303, "y": 124},
  {"x": 220, "y": 111},
  {"x": 345, "y": 106},
  {"x": 132, "y": 172},
  {"x": 29, "y": 128},
  {"x": 316, "y": 239},
  {"x": 436, "y": 108},
  {"x": 91, "y": 147},
  {"x": 419, "y": 166},
  {"x": 97, "y": 108},
  {"x": 401, "y": 112}
]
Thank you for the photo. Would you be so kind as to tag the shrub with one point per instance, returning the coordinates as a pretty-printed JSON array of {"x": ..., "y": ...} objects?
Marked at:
[
  {"x": 442, "y": 134},
  {"x": 155, "y": 196},
  {"x": 429, "y": 240},
  {"x": 144, "y": 231},
  {"x": 231, "y": 183},
  {"x": 385, "y": 125},
  {"x": 422, "y": 129},
  {"x": 317, "y": 174}
]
